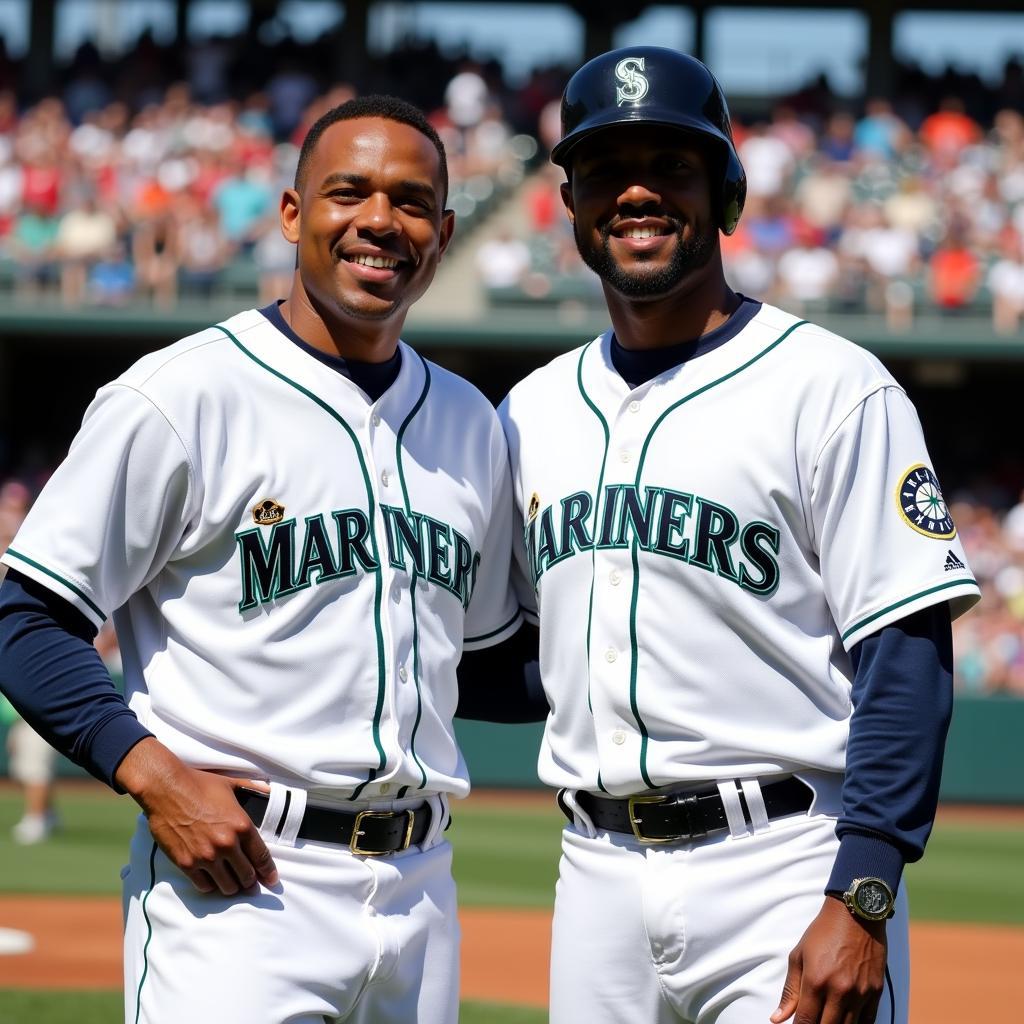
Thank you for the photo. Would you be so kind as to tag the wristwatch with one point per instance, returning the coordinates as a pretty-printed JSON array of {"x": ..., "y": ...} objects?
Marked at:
[{"x": 870, "y": 899}]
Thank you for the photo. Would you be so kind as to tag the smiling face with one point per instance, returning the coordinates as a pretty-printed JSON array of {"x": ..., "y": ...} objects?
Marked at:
[
  {"x": 639, "y": 198},
  {"x": 369, "y": 220}
]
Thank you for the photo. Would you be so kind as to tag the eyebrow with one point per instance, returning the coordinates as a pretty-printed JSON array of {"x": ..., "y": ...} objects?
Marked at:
[{"x": 361, "y": 180}]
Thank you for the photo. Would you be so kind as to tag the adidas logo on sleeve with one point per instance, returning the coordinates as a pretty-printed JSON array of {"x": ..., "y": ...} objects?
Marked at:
[{"x": 952, "y": 562}]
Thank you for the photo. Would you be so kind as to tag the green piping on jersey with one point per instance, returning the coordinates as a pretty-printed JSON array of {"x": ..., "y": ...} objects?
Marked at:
[
  {"x": 371, "y": 513},
  {"x": 493, "y": 632},
  {"x": 59, "y": 579},
  {"x": 634, "y": 646},
  {"x": 412, "y": 583},
  {"x": 149, "y": 933},
  {"x": 907, "y": 600},
  {"x": 597, "y": 506}
]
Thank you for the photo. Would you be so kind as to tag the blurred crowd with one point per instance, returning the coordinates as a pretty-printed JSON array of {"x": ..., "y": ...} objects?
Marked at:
[
  {"x": 901, "y": 206},
  {"x": 160, "y": 174}
]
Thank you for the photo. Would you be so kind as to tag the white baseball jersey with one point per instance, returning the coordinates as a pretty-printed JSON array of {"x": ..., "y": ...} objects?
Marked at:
[
  {"x": 703, "y": 550},
  {"x": 294, "y": 571}
]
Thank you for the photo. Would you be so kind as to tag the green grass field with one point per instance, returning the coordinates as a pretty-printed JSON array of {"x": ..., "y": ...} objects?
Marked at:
[{"x": 506, "y": 854}]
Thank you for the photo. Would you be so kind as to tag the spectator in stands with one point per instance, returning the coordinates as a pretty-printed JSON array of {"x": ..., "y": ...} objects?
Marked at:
[
  {"x": 807, "y": 271},
  {"x": 767, "y": 160},
  {"x": 203, "y": 251},
  {"x": 953, "y": 272},
  {"x": 155, "y": 250},
  {"x": 86, "y": 234},
  {"x": 33, "y": 246},
  {"x": 949, "y": 130},
  {"x": 243, "y": 200},
  {"x": 502, "y": 260},
  {"x": 879, "y": 134},
  {"x": 887, "y": 254},
  {"x": 1006, "y": 284},
  {"x": 824, "y": 195}
]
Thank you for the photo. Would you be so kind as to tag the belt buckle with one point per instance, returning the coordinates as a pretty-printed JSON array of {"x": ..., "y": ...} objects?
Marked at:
[
  {"x": 634, "y": 821},
  {"x": 357, "y": 832}
]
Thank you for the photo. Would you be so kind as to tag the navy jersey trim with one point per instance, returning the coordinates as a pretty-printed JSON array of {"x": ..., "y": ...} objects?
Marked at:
[
  {"x": 907, "y": 600},
  {"x": 60, "y": 579}
]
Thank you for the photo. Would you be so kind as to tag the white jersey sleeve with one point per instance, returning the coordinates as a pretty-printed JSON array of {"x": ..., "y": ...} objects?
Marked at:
[
  {"x": 522, "y": 579},
  {"x": 114, "y": 510},
  {"x": 887, "y": 544},
  {"x": 493, "y": 613}
]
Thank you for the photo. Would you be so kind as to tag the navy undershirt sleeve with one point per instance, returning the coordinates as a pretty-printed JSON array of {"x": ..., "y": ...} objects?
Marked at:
[
  {"x": 57, "y": 681},
  {"x": 902, "y": 705},
  {"x": 502, "y": 683}
]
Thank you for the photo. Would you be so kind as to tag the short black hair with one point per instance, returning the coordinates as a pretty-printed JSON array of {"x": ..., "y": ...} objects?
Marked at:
[{"x": 391, "y": 108}]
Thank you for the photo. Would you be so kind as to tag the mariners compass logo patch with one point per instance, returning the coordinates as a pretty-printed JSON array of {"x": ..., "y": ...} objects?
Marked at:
[
  {"x": 267, "y": 512},
  {"x": 919, "y": 499}
]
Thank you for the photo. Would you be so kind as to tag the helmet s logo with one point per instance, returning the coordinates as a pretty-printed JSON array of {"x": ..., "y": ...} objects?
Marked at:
[{"x": 634, "y": 85}]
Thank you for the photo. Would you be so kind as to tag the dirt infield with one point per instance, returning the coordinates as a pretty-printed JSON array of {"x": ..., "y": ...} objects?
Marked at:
[{"x": 961, "y": 972}]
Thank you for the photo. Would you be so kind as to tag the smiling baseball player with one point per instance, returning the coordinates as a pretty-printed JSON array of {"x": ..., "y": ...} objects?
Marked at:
[
  {"x": 299, "y": 525},
  {"x": 743, "y": 570}
]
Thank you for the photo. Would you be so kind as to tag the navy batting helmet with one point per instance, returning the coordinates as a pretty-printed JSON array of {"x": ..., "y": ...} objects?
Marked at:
[{"x": 654, "y": 85}]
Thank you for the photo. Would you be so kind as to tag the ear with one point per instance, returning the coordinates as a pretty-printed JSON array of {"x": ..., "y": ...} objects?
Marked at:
[
  {"x": 446, "y": 232},
  {"x": 566, "y": 189},
  {"x": 291, "y": 217}
]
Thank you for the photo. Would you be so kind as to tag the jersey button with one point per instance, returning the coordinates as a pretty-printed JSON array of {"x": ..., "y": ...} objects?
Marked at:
[
  {"x": 385, "y": 788},
  {"x": 384, "y": 478},
  {"x": 625, "y": 456},
  {"x": 611, "y": 655},
  {"x": 375, "y": 420},
  {"x": 403, "y": 673},
  {"x": 634, "y": 406},
  {"x": 396, "y": 593},
  {"x": 618, "y": 737},
  {"x": 615, "y": 577}
]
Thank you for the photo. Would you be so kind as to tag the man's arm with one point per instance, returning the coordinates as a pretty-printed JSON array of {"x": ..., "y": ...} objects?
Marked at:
[
  {"x": 53, "y": 675},
  {"x": 902, "y": 698},
  {"x": 502, "y": 683}
]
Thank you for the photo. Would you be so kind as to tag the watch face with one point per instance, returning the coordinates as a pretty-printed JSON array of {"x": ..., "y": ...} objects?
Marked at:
[{"x": 873, "y": 899}]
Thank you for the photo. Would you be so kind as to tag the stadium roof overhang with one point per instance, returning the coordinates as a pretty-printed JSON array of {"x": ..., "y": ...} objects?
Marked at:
[{"x": 601, "y": 18}]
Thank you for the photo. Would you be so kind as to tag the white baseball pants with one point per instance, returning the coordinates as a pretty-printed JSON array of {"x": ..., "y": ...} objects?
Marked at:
[
  {"x": 365, "y": 940},
  {"x": 696, "y": 932}
]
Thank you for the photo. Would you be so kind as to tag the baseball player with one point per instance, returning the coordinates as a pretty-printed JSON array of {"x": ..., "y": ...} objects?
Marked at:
[
  {"x": 299, "y": 525},
  {"x": 744, "y": 571}
]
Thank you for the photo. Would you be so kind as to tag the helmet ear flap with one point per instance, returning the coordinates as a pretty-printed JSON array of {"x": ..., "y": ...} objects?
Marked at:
[{"x": 734, "y": 192}]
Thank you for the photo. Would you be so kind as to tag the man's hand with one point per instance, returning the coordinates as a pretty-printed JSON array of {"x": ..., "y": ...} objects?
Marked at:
[
  {"x": 837, "y": 970},
  {"x": 196, "y": 820}
]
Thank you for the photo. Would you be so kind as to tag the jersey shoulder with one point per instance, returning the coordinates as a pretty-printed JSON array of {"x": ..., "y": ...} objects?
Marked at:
[
  {"x": 824, "y": 355},
  {"x": 548, "y": 381},
  {"x": 174, "y": 364}
]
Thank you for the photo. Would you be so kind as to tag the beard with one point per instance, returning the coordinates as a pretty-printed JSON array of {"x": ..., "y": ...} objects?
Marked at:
[{"x": 641, "y": 282}]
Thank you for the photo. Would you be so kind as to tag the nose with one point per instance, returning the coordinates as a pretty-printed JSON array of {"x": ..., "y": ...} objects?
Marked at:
[
  {"x": 636, "y": 197},
  {"x": 377, "y": 215}
]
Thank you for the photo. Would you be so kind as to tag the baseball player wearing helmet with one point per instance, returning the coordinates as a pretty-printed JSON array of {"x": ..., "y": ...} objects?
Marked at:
[
  {"x": 299, "y": 525},
  {"x": 744, "y": 571}
]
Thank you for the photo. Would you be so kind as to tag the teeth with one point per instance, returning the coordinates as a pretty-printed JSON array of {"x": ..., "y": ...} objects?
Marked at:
[
  {"x": 380, "y": 262},
  {"x": 640, "y": 232}
]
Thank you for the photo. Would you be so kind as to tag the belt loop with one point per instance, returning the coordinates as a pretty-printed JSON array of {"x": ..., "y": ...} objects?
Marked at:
[
  {"x": 730, "y": 795},
  {"x": 439, "y": 815},
  {"x": 581, "y": 820},
  {"x": 755, "y": 804},
  {"x": 295, "y": 808},
  {"x": 274, "y": 814}
]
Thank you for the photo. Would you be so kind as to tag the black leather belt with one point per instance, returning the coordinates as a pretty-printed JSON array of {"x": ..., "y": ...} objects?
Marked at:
[
  {"x": 676, "y": 817},
  {"x": 367, "y": 833}
]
